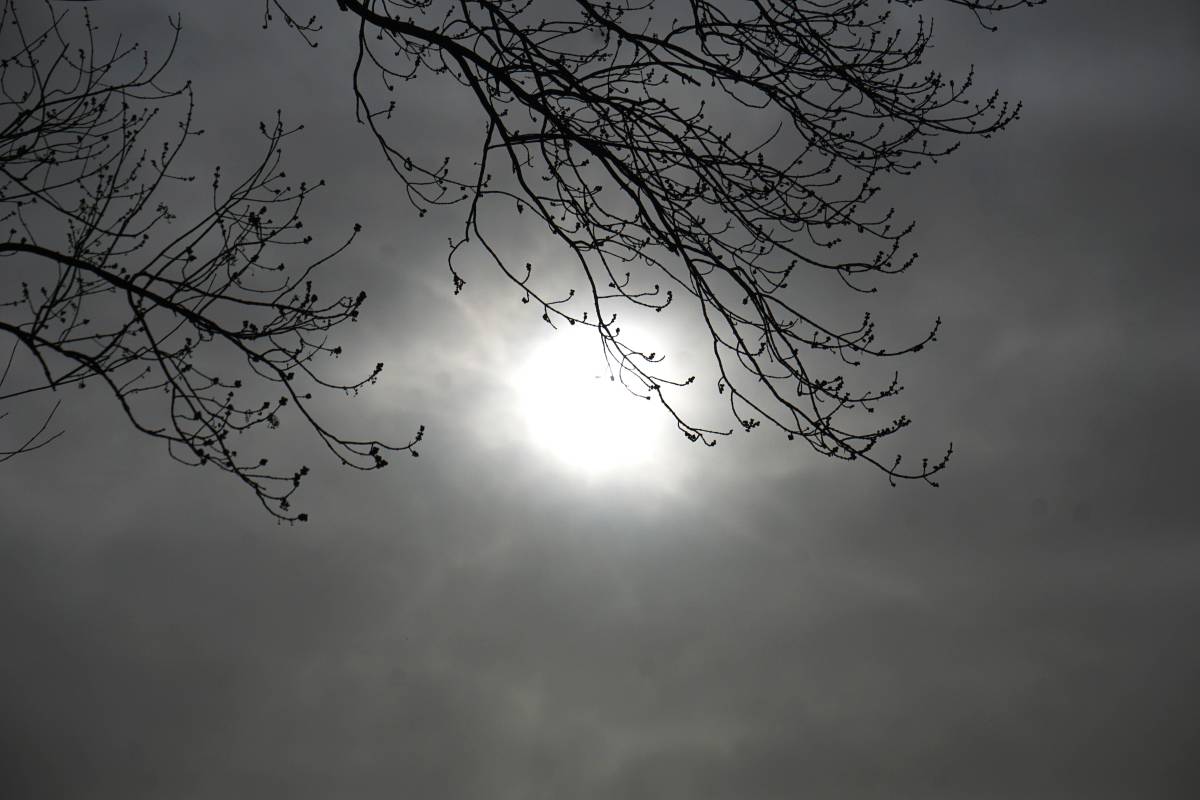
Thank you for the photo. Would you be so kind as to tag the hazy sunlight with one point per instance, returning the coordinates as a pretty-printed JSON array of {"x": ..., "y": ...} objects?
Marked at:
[{"x": 574, "y": 413}]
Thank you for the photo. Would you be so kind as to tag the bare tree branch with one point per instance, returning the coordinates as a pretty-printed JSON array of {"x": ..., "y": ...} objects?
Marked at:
[
  {"x": 199, "y": 330},
  {"x": 625, "y": 126}
]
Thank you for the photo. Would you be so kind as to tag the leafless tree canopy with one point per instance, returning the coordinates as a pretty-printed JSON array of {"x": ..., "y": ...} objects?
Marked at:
[
  {"x": 699, "y": 154},
  {"x": 610, "y": 121},
  {"x": 197, "y": 325}
]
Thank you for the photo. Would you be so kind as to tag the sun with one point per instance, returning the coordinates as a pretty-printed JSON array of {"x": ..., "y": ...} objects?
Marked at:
[{"x": 574, "y": 413}]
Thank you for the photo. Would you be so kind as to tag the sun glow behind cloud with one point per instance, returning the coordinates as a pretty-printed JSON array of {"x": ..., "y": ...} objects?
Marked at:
[
  {"x": 540, "y": 399},
  {"x": 575, "y": 414}
]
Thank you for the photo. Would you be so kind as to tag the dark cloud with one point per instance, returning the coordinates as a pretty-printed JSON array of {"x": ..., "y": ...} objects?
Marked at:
[{"x": 478, "y": 623}]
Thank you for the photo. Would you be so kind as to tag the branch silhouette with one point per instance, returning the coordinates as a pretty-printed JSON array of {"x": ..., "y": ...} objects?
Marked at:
[
  {"x": 624, "y": 127},
  {"x": 198, "y": 328}
]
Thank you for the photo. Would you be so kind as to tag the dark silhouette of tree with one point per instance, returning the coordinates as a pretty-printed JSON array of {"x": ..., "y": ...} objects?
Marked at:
[
  {"x": 194, "y": 323},
  {"x": 703, "y": 151}
]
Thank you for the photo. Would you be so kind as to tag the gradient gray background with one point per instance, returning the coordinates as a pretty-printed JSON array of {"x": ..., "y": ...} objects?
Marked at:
[{"x": 744, "y": 622}]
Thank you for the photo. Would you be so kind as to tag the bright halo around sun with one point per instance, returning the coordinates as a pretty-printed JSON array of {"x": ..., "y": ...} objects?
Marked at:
[{"x": 576, "y": 415}]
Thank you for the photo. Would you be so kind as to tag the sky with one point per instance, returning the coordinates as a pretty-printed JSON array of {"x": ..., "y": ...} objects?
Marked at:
[{"x": 491, "y": 620}]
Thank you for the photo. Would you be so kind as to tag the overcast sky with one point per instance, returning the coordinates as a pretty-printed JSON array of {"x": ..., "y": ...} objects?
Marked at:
[{"x": 746, "y": 621}]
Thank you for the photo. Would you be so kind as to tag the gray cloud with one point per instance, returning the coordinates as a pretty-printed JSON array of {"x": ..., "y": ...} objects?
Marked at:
[{"x": 476, "y": 623}]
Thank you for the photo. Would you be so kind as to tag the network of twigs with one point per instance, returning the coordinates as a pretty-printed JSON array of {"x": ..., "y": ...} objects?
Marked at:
[
  {"x": 195, "y": 323},
  {"x": 619, "y": 124}
]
